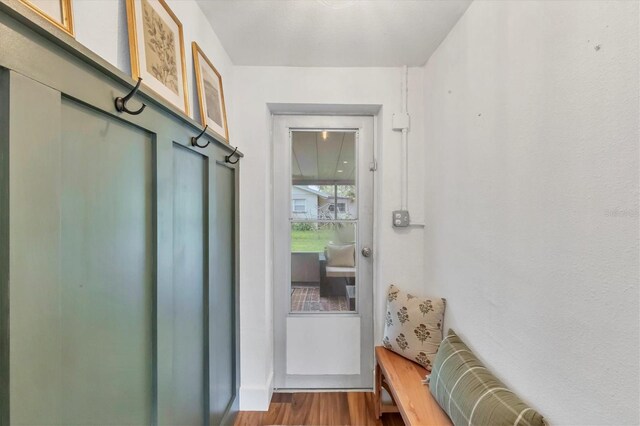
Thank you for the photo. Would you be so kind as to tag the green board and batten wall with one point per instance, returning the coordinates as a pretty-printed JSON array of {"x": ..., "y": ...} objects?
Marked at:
[{"x": 118, "y": 246}]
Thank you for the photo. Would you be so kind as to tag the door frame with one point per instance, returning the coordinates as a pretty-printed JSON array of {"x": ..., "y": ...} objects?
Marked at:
[{"x": 283, "y": 124}]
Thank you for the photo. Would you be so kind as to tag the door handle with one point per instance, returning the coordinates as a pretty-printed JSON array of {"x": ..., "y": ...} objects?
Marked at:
[{"x": 366, "y": 251}]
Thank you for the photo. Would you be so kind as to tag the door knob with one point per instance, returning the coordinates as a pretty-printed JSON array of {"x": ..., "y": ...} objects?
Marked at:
[{"x": 366, "y": 251}]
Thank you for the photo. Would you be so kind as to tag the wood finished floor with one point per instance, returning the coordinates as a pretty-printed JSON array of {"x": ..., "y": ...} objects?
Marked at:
[{"x": 321, "y": 408}]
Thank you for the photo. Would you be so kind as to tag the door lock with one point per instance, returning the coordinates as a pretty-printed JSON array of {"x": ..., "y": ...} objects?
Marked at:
[{"x": 366, "y": 251}]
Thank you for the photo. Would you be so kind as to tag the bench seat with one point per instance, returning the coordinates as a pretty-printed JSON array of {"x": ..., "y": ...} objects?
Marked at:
[
  {"x": 403, "y": 380},
  {"x": 334, "y": 279},
  {"x": 340, "y": 271}
]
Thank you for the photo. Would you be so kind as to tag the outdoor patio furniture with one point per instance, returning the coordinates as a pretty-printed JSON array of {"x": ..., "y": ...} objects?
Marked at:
[{"x": 334, "y": 279}]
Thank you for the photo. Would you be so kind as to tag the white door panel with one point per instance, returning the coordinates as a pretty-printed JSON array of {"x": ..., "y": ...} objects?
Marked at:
[
  {"x": 315, "y": 343},
  {"x": 323, "y": 329}
]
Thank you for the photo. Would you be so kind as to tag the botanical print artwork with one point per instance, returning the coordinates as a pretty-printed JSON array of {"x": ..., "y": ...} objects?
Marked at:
[
  {"x": 210, "y": 94},
  {"x": 160, "y": 48},
  {"x": 212, "y": 98},
  {"x": 57, "y": 12},
  {"x": 52, "y": 8}
]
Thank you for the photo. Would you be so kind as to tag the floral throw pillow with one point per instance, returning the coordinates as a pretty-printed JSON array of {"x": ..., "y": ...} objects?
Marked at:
[{"x": 413, "y": 326}]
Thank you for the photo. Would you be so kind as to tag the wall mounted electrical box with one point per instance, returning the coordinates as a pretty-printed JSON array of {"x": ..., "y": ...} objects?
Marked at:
[
  {"x": 401, "y": 218},
  {"x": 400, "y": 121}
]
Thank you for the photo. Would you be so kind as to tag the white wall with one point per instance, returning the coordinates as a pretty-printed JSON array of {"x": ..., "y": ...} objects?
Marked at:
[
  {"x": 101, "y": 25},
  {"x": 532, "y": 199},
  {"x": 399, "y": 253},
  {"x": 524, "y": 164}
]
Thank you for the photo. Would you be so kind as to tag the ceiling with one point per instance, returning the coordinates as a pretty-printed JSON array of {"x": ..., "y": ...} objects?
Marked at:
[
  {"x": 333, "y": 33},
  {"x": 316, "y": 160}
]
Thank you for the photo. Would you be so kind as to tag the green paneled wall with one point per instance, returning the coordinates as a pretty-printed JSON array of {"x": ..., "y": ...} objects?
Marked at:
[{"x": 118, "y": 246}]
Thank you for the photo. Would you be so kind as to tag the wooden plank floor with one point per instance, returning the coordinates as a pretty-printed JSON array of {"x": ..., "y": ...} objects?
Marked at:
[{"x": 321, "y": 408}]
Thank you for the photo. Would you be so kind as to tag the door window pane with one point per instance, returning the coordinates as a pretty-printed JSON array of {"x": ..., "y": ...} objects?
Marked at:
[
  {"x": 323, "y": 221},
  {"x": 323, "y": 267}
]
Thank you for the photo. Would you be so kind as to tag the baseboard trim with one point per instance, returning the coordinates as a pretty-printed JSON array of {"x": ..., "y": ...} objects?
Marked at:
[
  {"x": 256, "y": 398},
  {"x": 321, "y": 390}
]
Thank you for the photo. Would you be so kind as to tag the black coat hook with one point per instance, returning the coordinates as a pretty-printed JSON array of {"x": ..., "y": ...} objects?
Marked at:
[
  {"x": 194, "y": 139},
  {"x": 227, "y": 158},
  {"x": 121, "y": 103}
]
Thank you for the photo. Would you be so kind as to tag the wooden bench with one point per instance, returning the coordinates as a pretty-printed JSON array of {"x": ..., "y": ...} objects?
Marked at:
[{"x": 403, "y": 380}]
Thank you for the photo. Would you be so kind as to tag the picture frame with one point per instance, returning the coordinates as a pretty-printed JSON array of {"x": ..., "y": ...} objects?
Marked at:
[
  {"x": 156, "y": 48},
  {"x": 57, "y": 12},
  {"x": 213, "y": 111}
]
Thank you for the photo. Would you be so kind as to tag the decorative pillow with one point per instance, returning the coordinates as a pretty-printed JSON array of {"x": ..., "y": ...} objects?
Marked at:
[
  {"x": 413, "y": 326},
  {"x": 341, "y": 255},
  {"x": 470, "y": 394}
]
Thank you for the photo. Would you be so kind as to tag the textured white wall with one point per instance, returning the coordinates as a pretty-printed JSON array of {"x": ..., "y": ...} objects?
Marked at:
[
  {"x": 398, "y": 253},
  {"x": 528, "y": 165},
  {"x": 101, "y": 25},
  {"x": 531, "y": 187}
]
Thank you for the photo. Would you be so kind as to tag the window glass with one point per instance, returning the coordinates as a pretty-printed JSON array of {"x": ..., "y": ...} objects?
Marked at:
[
  {"x": 299, "y": 205},
  {"x": 323, "y": 221}
]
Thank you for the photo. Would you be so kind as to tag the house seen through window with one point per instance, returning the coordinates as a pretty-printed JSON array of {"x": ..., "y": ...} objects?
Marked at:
[{"x": 299, "y": 205}]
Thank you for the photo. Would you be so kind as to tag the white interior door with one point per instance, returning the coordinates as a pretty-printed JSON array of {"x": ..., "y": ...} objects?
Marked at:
[{"x": 323, "y": 260}]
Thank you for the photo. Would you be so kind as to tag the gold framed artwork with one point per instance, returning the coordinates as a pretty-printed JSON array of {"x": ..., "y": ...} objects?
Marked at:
[
  {"x": 156, "y": 46},
  {"x": 213, "y": 111},
  {"x": 58, "y": 12}
]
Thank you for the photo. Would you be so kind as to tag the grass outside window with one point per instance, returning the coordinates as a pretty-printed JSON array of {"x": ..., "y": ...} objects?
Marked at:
[
  {"x": 313, "y": 237},
  {"x": 313, "y": 241}
]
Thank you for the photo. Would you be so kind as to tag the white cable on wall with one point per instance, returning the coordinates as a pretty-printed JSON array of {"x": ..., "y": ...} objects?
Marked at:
[
  {"x": 404, "y": 162},
  {"x": 401, "y": 122}
]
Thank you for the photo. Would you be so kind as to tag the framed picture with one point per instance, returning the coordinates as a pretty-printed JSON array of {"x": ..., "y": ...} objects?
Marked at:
[
  {"x": 156, "y": 46},
  {"x": 210, "y": 94},
  {"x": 58, "y": 12}
]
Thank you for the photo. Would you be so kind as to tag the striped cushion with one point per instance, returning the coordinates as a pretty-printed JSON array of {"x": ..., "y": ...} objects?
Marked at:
[{"x": 470, "y": 394}]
